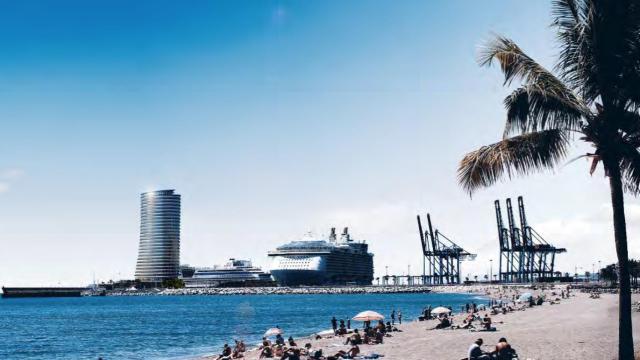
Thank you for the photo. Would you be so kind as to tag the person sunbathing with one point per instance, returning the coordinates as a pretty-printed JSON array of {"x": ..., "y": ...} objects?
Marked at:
[
  {"x": 379, "y": 337},
  {"x": 278, "y": 351},
  {"x": 486, "y": 322},
  {"x": 444, "y": 323},
  {"x": 291, "y": 342},
  {"x": 237, "y": 354},
  {"x": 265, "y": 343},
  {"x": 351, "y": 354},
  {"x": 354, "y": 339},
  {"x": 240, "y": 346},
  {"x": 503, "y": 350},
  {"x": 226, "y": 353},
  {"x": 291, "y": 354},
  {"x": 266, "y": 352}
]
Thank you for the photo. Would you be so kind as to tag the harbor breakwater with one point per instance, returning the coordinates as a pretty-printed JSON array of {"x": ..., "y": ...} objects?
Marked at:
[{"x": 320, "y": 290}]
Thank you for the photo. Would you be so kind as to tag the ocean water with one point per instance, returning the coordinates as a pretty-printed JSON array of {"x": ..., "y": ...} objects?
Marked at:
[{"x": 179, "y": 327}]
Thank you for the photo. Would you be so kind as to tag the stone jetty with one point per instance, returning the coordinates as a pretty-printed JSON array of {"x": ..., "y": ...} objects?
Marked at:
[{"x": 278, "y": 291}]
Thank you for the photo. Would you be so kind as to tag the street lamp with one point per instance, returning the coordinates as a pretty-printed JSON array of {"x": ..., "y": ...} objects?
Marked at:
[{"x": 599, "y": 269}]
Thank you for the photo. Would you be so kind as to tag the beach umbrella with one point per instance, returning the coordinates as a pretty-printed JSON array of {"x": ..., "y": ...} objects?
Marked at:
[
  {"x": 525, "y": 297},
  {"x": 273, "y": 331},
  {"x": 440, "y": 310},
  {"x": 368, "y": 316}
]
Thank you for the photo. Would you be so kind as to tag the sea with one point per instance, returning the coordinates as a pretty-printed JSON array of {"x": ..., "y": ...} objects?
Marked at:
[{"x": 182, "y": 327}]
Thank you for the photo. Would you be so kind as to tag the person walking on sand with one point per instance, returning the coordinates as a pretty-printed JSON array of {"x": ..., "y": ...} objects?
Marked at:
[
  {"x": 399, "y": 317},
  {"x": 393, "y": 317},
  {"x": 334, "y": 324}
]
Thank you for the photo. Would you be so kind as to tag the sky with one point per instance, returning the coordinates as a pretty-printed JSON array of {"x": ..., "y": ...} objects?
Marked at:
[{"x": 271, "y": 119}]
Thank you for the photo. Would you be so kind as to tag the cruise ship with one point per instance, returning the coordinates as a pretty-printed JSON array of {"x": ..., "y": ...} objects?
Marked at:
[
  {"x": 331, "y": 261},
  {"x": 234, "y": 273}
]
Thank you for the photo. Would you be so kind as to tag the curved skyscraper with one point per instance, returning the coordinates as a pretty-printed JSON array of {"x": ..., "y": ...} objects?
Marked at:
[{"x": 159, "y": 249}]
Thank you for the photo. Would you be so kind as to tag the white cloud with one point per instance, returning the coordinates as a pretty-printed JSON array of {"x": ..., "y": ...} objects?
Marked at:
[
  {"x": 11, "y": 174},
  {"x": 588, "y": 235},
  {"x": 9, "y": 177}
]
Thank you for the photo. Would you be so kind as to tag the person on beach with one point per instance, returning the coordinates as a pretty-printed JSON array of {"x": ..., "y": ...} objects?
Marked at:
[
  {"x": 348, "y": 324},
  {"x": 343, "y": 328},
  {"x": 476, "y": 353},
  {"x": 279, "y": 340},
  {"x": 351, "y": 354},
  {"x": 393, "y": 317},
  {"x": 503, "y": 350},
  {"x": 291, "y": 354},
  {"x": 291, "y": 342},
  {"x": 240, "y": 346},
  {"x": 486, "y": 322},
  {"x": 354, "y": 339},
  {"x": 278, "y": 352},
  {"x": 226, "y": 353},
  {"x": 443, "y": 324},
  {"x": 334, "y": 324},
  {"x": 399, "y": 317},
  {"x": 266, "y": 352},
  {"x": 265, "y": 343}
]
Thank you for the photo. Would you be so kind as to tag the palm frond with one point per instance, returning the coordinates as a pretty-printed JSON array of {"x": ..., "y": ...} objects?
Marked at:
[
  {"x": 514, "y": 63},
  {"x": 566, "y": 13},
  {"x": 541, "y": 107},
  {"x": 518, "y": 155},
  {"x": 630, "y": 167}
]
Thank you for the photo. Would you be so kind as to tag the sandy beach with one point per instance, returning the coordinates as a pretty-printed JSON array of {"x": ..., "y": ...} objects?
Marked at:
[{"x": 576, "y": 328}]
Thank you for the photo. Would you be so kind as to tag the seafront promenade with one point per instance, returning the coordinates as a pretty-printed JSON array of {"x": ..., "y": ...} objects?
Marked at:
[{"x": 575, "y": 328}]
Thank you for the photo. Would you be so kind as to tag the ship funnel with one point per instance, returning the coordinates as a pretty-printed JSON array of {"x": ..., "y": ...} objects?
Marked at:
[
  {"x": 333, "y": 237},
  {"x": 345, "y": 234}
]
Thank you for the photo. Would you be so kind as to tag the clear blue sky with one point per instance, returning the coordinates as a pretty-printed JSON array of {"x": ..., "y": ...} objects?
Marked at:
[{"x": 271, "y": 118}]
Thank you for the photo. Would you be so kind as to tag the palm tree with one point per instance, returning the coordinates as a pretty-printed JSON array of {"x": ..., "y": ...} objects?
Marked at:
[{"x": 593, "y": 95}]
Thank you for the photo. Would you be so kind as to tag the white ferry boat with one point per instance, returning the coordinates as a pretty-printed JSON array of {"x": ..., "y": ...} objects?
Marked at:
[{"x": 234, "y": 272}]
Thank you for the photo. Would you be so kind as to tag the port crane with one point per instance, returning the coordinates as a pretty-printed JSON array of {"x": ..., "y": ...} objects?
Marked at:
[
  {"x": 525, "y": 256},
  {"x": 442, "y": 255}
]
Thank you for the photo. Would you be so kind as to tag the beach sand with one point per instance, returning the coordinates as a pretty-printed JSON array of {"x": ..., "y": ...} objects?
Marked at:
[{"x": 577, "y": 328}]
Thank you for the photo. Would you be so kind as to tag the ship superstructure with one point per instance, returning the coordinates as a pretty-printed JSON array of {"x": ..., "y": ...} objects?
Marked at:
[
  {"x": 331, "y": 261},
  {"x": 234, "y": 272}
]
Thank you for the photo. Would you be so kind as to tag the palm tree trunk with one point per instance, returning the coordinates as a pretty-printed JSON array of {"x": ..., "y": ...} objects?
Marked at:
[{"x": 625, "y": 336}]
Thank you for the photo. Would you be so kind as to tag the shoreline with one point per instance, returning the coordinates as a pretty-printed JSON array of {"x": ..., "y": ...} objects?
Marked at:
[{"x": 573, "y": 328}]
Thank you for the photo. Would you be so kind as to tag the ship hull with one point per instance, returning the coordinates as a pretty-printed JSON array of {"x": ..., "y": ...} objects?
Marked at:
[
  {"x": 336, "y": 268},
  {"x": 299, "y": 277}
]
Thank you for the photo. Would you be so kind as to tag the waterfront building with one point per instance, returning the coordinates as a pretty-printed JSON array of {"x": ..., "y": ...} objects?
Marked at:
[
  {"x": 329, "y": 261},
  {"x": 159, "y": 249}
]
